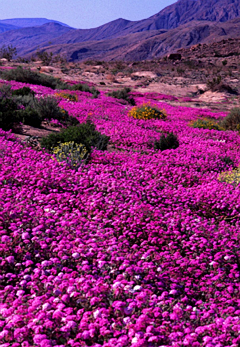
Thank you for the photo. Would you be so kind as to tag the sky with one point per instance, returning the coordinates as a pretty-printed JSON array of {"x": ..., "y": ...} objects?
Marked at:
[{"x": 82, "y": 14}]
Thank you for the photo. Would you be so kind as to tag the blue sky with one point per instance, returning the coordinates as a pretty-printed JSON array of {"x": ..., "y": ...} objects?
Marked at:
[{"x": 82, "y": 13}]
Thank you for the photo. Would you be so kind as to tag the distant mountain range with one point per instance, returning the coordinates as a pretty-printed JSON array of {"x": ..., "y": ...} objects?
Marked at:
[{"x": 182, "y": 24}]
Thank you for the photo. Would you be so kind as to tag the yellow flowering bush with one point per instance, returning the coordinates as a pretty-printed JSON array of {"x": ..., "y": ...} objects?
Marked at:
[
  {"x": 232, "y": 177},
  {"x": 146, "y": 111},
  {"x": 70, "y": 97},
  {"x": 206, "y": 123},
  {"x": 73, "y": 153}
]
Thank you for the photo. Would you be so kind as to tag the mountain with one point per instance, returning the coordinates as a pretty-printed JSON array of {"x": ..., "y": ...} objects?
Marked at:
[
  {"x": 39, "y": 36},
  {"x": 181, "y": 24},
  {"x": 6, "y": 27},
  {"x": 149, "y": 44},
  {"x": 29, "y": 22}
]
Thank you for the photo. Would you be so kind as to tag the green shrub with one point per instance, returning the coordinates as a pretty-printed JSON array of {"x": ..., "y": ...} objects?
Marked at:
[
  {"x": 167, "y": 142},
  {"x": 145, "y": 112},
  {"x": 216, "y": 85},
  {"x": 30, "y": 116},
  {"x": 74, "y": 154},
  {"x": 23, "y": 91},
  {"x": 232, "y": 177},
  {"x": 232, "y": 120},
  {"x": 48, "y": 108},
  {"x": 5, "y": 91},
  {"x": 8, "y": 52},
  {"x": 206, "y": 123},
  {"x": 85, "y": 88},
  {"x": 84, "y": 133},
  {"x": 9, "y": 116},
  {"x": 123, "y": 94},
  {"x": 27, "y": 76}
]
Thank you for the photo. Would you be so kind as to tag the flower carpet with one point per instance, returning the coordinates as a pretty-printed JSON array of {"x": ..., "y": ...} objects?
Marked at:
[{"x": 137, "y": 248}]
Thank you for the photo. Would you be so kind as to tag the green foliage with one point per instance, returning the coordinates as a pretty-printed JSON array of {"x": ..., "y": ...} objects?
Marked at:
[
  {"x": 23, "y": 91},
  {"x": 145, "y": 112},
  {"x": 224, "y": 62},
  {"x": 30, "y": 116},
  {"x": 8, "y": 114},
  {"x": 232, "y": 120},
  {"x": 167, "y": 142},
  {"x": 27, "y": 76},
  {"x": 123, "y": 94},
  {"x": 45, "y": 57},
  {"x": 231, "y": 177},
  {"x": 206, "y": 123},
  {"x": 85, "y": 88},
  {"x": 5, "y": 91},
  {"x": 47, "y": 108},
  {"x": 84, "y": 133},
  {"x": 216, "y": 85},
  {"x": 73, "y": 153},
  {"x": 8, "y": 52}
]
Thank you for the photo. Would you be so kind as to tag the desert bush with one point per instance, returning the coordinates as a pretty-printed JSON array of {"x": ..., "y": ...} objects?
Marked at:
[
  {"x": 170, "y": 141},
  {"x": 30, "y": 116},
  {"x": 84, "y": 133},
  {"x": 206, "y": 123},
  {"x": 8, "y": 52},
  {"x": 231, "y": 177},
  {"x": 147, "y": 112},
  {"x": 75, "y": 154},
  {"x": 85, "y": 88},
  {"x": 216, "y": 85},
  {"x": 5, "y": 91},
  {"x": 48, "y": 108},
  {"x": 123, "y": 94},
  {"x": 27, "y": 76},
  {"x": 23, "y": 91},
  {"x": 232, "y": 120},
  {"x": 9, "y": 116}
]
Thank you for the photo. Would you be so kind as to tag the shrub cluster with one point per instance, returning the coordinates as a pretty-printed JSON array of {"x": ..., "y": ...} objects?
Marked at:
[
  {"x": 217, "y": 85},
  {"x": 232, "y": 120},
  {"x": 231, "y": 177},
  {"x": 206, "y": 123},
  {"x": 147, "y": 112},
  {"x": 84, "y": 133},
  {"x": 72, "y": 153},
  {"x": 27, "y": 76},
  {"x": 170, "y": 141},
  {"x": 20, "y": 106},
  {"x": 123, "y": 94}
]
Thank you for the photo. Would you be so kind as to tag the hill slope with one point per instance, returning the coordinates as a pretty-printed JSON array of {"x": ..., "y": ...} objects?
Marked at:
[{"x": 148, "y": 44}]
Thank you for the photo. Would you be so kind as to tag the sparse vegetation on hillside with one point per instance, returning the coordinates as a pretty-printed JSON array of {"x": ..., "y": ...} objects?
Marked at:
[
  {"x": 123, "y": 94},
  {"x": 23, "y": 75}
]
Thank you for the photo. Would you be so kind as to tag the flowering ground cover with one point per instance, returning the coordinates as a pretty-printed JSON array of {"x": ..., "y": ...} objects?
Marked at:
[{"x": 137, "y": 248}]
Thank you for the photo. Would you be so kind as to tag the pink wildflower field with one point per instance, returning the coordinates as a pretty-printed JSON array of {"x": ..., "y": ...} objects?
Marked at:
[{"x": 137, "y": 248}]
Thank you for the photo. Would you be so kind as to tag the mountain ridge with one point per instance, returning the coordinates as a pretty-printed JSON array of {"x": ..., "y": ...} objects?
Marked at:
[{"x": 178, "y": 25}]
